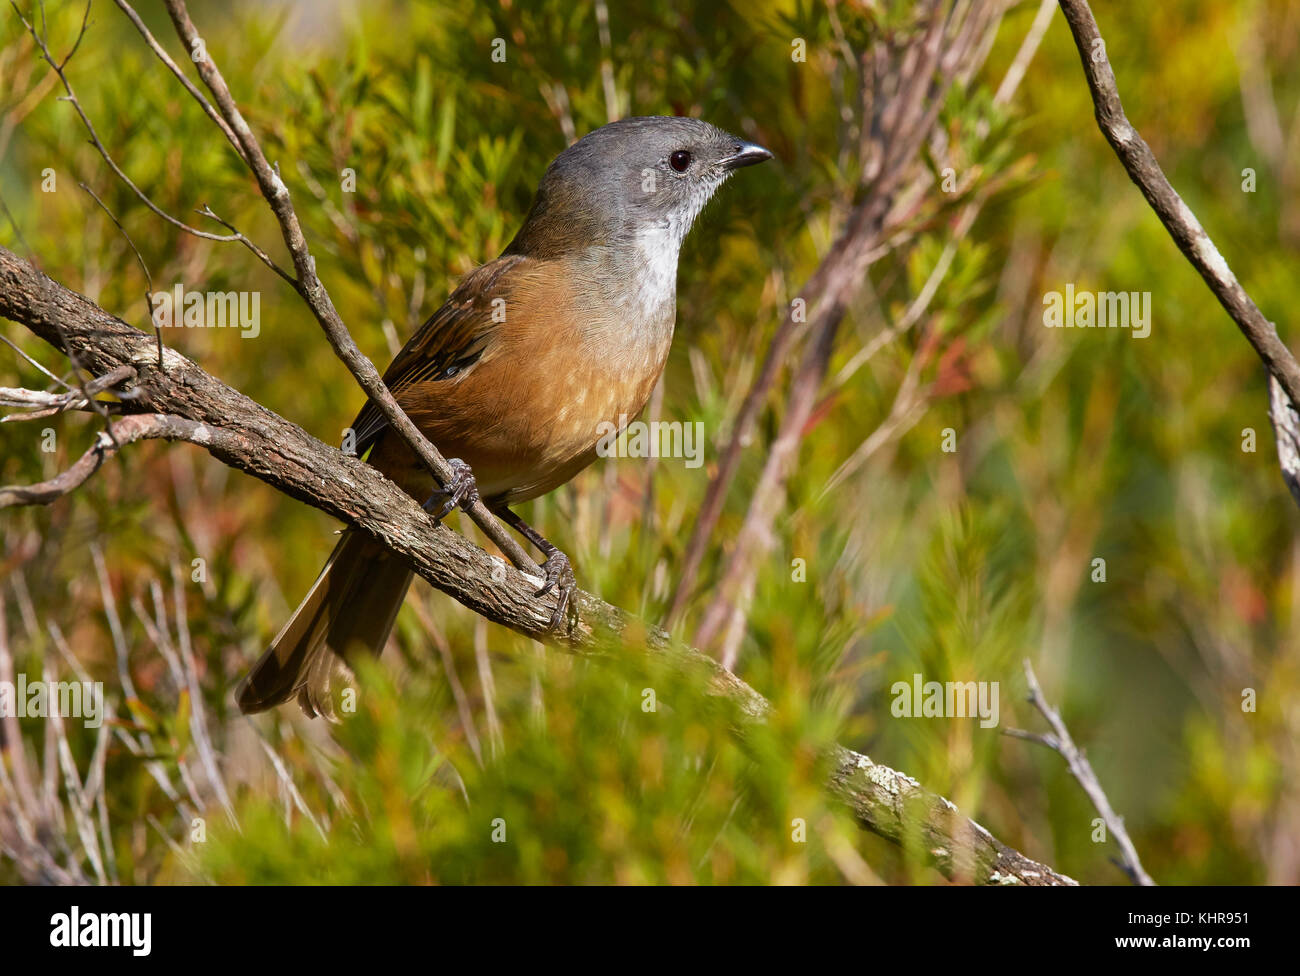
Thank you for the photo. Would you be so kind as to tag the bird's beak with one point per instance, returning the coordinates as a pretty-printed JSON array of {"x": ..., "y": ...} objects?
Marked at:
[{"x": 746, "y": 154}]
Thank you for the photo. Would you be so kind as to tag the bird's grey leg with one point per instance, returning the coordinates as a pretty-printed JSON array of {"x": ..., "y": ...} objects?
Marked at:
[{"x": 559, "y": 571}]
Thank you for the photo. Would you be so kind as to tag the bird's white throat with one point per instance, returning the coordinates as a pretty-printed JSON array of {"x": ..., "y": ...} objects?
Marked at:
[{"x": 654, "y": 278}]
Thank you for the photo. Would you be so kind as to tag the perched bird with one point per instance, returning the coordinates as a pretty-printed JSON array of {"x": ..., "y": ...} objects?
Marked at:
[{"x": 513, "y": 378}]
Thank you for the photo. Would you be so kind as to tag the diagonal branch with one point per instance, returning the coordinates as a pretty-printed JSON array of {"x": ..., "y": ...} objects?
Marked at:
[
  {"x": 245, "y": 435},
  {"x": 313, "y": 290},
  {"x": 1286, "y": 431},
  {"x": 1143, "y": 169},
  {"x": 174, "y": 68},
  {"x": 71, "y": 97},
  {"x": 896, "y": 118}
]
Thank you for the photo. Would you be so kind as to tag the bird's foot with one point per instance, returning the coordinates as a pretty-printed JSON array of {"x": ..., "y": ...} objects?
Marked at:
[
  {"x": 461, "y": 491},
  {"x": 557, "y": 569},
  {"x": 560, "y": 578}
]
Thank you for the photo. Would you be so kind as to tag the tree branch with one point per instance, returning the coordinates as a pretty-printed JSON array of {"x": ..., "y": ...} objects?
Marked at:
[
  {"x": 35, "y": 404},
  {"x": 71, "y": 97},
  {"x": 138, "y": 427},
  {"x": 1061, "y": 742},
  {"x": 174, "y": 68},
  {"x": 1143, "y": 169},
  {"x": 314, "y": 293},
  {"x": 245, "y": 435}
]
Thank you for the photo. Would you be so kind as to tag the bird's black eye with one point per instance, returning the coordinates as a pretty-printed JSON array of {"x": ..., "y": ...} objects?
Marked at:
[{"x": 680, "y": 160}]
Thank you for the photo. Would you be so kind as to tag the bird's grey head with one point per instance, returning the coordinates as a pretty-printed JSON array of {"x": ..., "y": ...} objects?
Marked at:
[{"x": 629, "y": 179}]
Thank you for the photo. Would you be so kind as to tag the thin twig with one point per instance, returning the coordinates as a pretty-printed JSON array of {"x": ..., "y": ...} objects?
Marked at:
[
  {"x": 261, "y": 255},
  {"x": 1060, "y": 742},
  {"x": 314, "y": 293},
  {"x": 71, "y": 98},
  {"x": 18, "y": 233},
  {"x": 172, "y": 66},
  {"x": 33, "y": 362},
  {"x": 906, "y": 410},
  {"x": 148, "y": 293},
  {"x": 129, "y": 429},
  {"x": 198, "y": 711},
  {"x": 466, "y": 713},
  {"x": 40, "y": 403},
  {"x": 286, "y": 781}
]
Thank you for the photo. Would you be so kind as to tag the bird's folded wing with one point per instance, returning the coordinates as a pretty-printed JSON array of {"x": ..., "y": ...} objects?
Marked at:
[{"x": 453, "y": 339}]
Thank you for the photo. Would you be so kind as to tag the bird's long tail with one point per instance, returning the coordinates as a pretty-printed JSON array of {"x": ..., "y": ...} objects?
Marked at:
[{"x": 350, "y": 607}]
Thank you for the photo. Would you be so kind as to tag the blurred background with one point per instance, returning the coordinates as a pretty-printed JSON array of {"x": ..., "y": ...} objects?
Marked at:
[{"x": 476, "y": 755}]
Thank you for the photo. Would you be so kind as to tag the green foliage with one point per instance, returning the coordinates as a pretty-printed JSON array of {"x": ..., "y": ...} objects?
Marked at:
[{"x": 608, "y": 775}]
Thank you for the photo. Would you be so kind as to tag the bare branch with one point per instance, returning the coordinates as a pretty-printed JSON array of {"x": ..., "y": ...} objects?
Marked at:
[
  {"x": 33, "y": 362},
  {"x": 906, "y": 410},
  {"x": 1144, "y": 170},
  {"x": 148, "y": 278},
  {"x": 314, "y": 293},
  {"x": 925, "y": 67},
  {"x": 18, "y": 231},
  {"x": 897, "y": 807},
  {"x": 261, "y": 255},
  {"x": 1060, "y": 742},
  {"x": 71, "y": 97},
  {"x": 1286, "y": 430},
  {"x": 85, "y": 20},
  {"x": 190, "y": 87},
  {"x": 137, "y": 427},
  {"x": 39, "y": 403},
  {"x": 840, "y": 271},
  {"x": 1028, "y": 48}
]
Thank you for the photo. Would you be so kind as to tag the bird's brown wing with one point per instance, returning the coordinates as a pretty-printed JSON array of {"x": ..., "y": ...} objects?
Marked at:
[{"x": 453, "y": 339}]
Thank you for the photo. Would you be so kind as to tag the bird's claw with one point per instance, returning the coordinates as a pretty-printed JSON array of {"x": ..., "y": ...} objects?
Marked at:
[
  {"x": 559, "y": 577},
  {"x": 461, "y": 491}
]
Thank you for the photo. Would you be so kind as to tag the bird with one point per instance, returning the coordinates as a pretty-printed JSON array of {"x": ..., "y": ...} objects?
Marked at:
[{"x": 514, "y": 378}]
